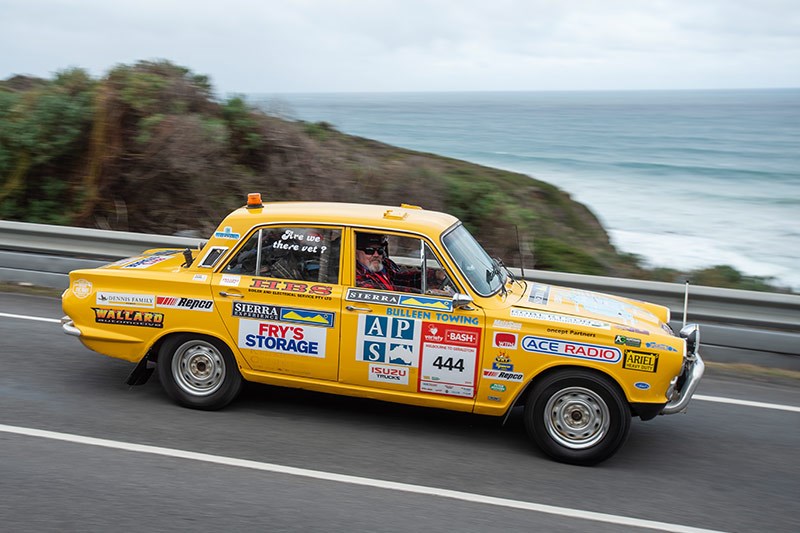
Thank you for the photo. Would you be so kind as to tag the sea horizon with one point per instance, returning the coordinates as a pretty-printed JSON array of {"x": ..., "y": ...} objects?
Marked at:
[{"x": 261, "y": 95}]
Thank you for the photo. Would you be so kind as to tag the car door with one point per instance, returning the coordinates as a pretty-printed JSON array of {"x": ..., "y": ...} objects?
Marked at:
[
  {"x": 279, "y": 296},
  {"x": 410, "y": 340}
]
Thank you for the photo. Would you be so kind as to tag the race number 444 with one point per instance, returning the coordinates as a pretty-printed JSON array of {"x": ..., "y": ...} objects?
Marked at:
[{"x": 449, "y": 363}]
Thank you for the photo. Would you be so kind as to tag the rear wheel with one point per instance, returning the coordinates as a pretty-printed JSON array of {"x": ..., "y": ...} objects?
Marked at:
[
  {"x": 577, "y": 417},
  {"x": 198, "y": 372}
]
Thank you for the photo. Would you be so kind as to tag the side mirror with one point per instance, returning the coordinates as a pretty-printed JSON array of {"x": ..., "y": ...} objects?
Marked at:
[{"x": 461, "y": 301}]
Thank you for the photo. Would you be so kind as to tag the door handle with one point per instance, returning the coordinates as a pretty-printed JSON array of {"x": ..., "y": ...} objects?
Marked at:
[
  {"x": 354, "y": 308},
  {"x": 231, "y": 294}
]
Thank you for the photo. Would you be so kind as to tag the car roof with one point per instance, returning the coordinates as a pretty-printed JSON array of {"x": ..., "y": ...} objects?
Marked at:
[{"x": 403, "y": 218}]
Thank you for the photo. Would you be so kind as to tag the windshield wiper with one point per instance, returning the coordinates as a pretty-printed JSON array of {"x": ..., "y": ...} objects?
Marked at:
[
  {"x": 508, "y": 271},
  {"x": 495, "y": 271}
]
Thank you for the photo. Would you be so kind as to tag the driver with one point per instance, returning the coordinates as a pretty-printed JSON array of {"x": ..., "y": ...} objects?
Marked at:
[{"x": 375, "y": 270}]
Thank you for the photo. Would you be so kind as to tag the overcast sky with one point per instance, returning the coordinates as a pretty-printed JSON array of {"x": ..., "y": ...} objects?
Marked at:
[{"x": 271, "y": 46}]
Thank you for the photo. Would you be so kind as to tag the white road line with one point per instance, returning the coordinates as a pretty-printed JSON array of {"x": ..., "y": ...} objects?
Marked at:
[
  {"x": 700, "y": 397},
  {"x": 26, "y": 317},
  {"x": 748, "y": 403},
  {"x": 355, "y": 480}
]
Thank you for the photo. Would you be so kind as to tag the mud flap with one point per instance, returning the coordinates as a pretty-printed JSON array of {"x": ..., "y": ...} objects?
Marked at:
[{"x": 141, "y": 373}]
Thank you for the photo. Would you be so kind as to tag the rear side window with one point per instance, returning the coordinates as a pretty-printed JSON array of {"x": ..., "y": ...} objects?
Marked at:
[{"x": 297, "y": 253}]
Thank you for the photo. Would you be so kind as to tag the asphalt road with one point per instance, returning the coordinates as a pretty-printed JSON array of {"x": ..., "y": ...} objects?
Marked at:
[{"x": 722, "y": 466}]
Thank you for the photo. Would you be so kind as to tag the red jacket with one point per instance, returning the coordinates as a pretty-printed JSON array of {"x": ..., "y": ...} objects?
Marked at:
[{"x": 391, "y": 278}]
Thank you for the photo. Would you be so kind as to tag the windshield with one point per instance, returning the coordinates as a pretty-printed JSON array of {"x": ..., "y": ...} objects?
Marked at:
[{"x": 481, "y": 271}]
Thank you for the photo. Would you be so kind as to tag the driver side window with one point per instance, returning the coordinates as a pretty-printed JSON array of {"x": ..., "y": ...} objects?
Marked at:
[{"x": 399, "y": 263}]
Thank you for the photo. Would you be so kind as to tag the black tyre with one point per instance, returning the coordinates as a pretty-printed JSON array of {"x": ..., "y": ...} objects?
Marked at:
[
  {"x": 577, "y": 417},
  {"x": 198, "y": 372}
]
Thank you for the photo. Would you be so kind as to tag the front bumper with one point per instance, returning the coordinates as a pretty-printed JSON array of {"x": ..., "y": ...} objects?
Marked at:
[{"x": 683, "y": 386}]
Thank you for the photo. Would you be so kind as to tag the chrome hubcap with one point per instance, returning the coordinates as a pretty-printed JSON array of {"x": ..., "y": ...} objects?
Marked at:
[
  {"x": 198, "y": 368},
  {"x": 576, "y": 418}
]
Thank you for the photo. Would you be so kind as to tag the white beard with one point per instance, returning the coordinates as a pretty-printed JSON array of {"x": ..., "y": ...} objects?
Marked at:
[{"x": 375, "y": 266}]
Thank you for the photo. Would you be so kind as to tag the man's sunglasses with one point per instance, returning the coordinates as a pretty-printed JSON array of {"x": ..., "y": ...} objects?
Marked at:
[{"x": 371, "y": 250}]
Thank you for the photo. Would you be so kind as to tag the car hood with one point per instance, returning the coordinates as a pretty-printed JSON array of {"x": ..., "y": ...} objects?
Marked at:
[{"x": 591, "y": 306}]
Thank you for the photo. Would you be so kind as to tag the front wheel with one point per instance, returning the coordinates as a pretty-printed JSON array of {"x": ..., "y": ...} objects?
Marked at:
[
  {"x": 198, "y": 372},
  {"x": 577, "y": 417}
]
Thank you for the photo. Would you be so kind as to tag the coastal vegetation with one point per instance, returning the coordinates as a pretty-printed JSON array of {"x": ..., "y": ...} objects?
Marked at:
[{"x": 150, "y": 148}]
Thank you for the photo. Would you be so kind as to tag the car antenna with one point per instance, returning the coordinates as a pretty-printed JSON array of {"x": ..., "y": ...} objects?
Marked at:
[
  {"x": 685, "y": 302},
  {"x": 521, "y": 255}
]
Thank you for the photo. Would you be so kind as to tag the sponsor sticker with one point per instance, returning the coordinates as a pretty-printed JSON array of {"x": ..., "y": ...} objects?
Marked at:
[
  {"x": 81, "y": 288},
  {"x": 256, "y": 311},
  {"x": 409, "y": 313},
  {"x": 449, "y": 359},
  {"x": 571, "y": 332},
  {"x": 199, "y": 277},
  {"x": 502, "y": 375},
  {"x": 289, "y": 287},
  {"x": 499, "y": 387},
  {"x": 125, "y": 300},
  {"x": 540, "y": 294},
  {"x": 122, "y": 262},
  {"x": 148, "y": 261},
  {"x": 191, "y": 304},
  {"x": 642, "y": 361},
  {"x": 397, "y": 375},
  {"x": 507, "y": 324},
  {"x": 660, "y": 346},
  {"x": 505, "y": 340},
  {"x": 465, "y": 336},
  {"x": 359, "y": 295},
  {"x": 502, "y": 362},
  {"x": 306, "y": 316},
  {"x": 627, "y": 341},
  {"x": 432, "y": 332},
  {"x": 424, "y": 302},
  {"x": 308, "y": 341},
  {"x": 383, "y": 339},
  {"x": 561, "y": 319},
  {"x": 230, "y": 281},
  {"x": 415, "y": 301},
  {"x": 447, "y": 389},
  {"x": 227, "y": 233},
  {"x": 580, "y": 350},
  {"x": 456, "y": 319},
  {"x": 494, "y": 398},
  {"x": 128, "y": 317}
]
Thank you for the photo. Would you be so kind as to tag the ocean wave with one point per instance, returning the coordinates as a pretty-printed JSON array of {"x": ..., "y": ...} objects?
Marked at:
[
  {"x": 688, "y": 253},
  {"x": 715, "y": 171}
]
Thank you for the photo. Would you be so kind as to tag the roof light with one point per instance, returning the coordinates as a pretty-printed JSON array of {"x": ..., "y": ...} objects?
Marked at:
[
  {"x": 254, "y": 201},
  {"x": 395, "y": 214}
]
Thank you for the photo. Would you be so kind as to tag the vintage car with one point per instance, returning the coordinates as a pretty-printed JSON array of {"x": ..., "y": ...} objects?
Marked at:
[{"x": 278, "y": 296}]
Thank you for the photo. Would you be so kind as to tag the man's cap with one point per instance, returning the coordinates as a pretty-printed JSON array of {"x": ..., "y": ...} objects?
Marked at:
[{"x": 370, "y": 240}]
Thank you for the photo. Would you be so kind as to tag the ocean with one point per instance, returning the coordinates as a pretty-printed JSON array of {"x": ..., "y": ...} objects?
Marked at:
[{"x": 683, "y": 179}]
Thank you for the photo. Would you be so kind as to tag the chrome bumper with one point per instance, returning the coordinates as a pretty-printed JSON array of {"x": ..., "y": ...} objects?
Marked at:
[
  {"x": 69, "y": 327},
  {"x": 683, "y": 386}
]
